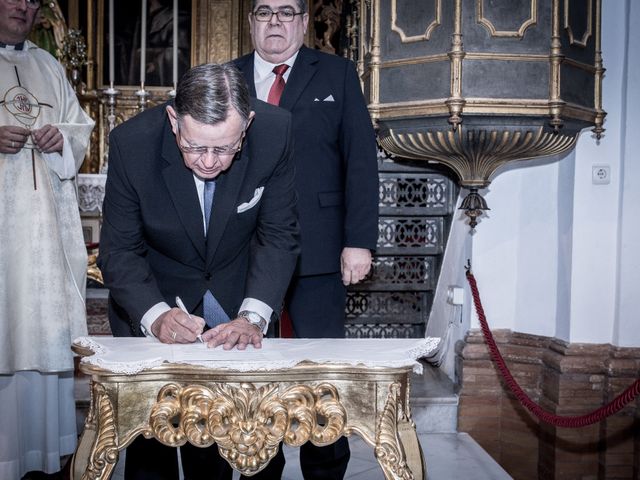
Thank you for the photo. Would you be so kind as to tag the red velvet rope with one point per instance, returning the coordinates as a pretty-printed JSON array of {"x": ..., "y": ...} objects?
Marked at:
[{"x": 559, "y": 421}]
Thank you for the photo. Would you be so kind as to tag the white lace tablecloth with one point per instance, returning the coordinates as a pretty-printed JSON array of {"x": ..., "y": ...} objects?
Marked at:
[{"x": 132, "y": 355}]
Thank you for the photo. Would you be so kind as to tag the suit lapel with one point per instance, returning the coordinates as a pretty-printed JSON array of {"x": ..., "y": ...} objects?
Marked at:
[
  {"x": 225, "y": 201},
  {"x": 302, "y": 72},
  {"x": 181, "y": 186}
]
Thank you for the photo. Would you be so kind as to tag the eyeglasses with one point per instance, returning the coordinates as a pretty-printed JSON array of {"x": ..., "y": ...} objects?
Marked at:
[
  {"x": 223, "y": 151},
  {"x": 33, "y": 4},
  {"x": 283, "y": 14}
]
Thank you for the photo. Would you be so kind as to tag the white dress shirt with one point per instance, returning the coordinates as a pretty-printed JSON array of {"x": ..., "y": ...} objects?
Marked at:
[
  {"x": 263, "y": 75},
  {"x": 250, "y": 304}
]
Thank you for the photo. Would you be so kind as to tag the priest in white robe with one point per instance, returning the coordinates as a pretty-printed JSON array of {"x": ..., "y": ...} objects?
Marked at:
[{"x": 43, "y": 138}]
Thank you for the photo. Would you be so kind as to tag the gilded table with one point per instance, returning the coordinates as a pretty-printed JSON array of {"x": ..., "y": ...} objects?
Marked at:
[{"x": 248, "y": 402}]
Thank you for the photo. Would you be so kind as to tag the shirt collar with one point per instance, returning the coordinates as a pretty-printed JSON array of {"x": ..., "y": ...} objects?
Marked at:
[{"x": 264, "y": 68}]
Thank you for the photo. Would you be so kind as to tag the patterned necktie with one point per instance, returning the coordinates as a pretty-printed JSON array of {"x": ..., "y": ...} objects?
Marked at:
[
  {"x": 213, "y": 312},
  {"x": 278, "y": 84}
]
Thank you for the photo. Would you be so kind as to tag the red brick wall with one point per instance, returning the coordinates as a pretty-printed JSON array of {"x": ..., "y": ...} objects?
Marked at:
[{"x": 566, "y": 379}]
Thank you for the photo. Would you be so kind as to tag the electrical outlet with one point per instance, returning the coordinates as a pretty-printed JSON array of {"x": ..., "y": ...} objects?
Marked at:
[
  {"x": 601, "y": 174},
  {"x": 455, "y": 295}
]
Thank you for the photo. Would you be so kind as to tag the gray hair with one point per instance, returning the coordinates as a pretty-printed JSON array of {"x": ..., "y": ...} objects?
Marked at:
[
  {"x": 207, "y": 93},
  {"x": 302, "y": 5}
]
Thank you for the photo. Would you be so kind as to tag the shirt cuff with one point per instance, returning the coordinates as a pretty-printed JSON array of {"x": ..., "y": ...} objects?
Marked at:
[
  {"x": 258, "y": 306},
  {"x": 151, "y": 316},
  {"x": 63, "y": 164}
]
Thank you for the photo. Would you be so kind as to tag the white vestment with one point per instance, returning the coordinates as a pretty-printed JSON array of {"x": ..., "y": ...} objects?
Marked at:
[{"x": 43, "y": 263}]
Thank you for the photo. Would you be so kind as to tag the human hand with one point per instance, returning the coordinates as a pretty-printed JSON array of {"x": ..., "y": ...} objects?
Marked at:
[
  {"x": 12, "y": 139},
  {"x": 48, "y": 139},
  {"x": 355, "y": 264},
  {"x": 175, "y": 326},
  {"x": 236, "y": 333}
]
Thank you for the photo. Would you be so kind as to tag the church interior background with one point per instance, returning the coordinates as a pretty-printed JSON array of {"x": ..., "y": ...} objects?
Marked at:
[{"x": 555, "y": 256}]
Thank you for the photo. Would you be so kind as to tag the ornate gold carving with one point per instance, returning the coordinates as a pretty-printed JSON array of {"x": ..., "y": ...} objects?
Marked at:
[
  {"x": 247, "y": 422},
  {"x": 532, "y": 20},
  {"x": 512, "y": 57},
  {"x": 104, "y": 455},
  {"x": 401, "y": 62},
  {"x": 93, "y": 272},
  {"x": 404, "y": 38},
  {"x": 556, "y": 57},
  {"x": 219, "y": 32},
  {"x": 588, "y": 30},
  {"x": 329, "y": 15},
  {"x": 351, "y": 26},
  {"x": 455, "y": 103},
  {"x": 476, "y": 154},
  {"x": 374, "y": 56},
  {"x": 600, "y": 113},
  {"x": 74, "y": 55},
  {"x": 388, "y": 449}
]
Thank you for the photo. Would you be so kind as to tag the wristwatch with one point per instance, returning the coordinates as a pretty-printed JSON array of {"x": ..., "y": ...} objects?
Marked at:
[{"x": 254, "y": 319}]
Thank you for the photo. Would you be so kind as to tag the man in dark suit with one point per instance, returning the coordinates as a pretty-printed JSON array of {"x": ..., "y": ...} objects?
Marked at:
[
  {"x": 336, "y": 177},
  {"x": 199, "y": 204}
]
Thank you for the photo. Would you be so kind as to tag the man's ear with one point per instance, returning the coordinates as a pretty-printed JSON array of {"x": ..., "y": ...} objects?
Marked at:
[{"x": 173, "y": 119}]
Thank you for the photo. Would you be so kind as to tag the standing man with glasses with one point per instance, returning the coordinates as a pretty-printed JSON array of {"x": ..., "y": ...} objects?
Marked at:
[
  {"x": 43, "y": 261},
  {"x": 336, "y": 179},
  {"x": 199, "y": 205}
]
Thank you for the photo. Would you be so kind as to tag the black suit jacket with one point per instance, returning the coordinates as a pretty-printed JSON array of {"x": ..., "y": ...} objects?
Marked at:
[
  {"x": 335, "y": 157},
  {"x": 152, "y": 244}
]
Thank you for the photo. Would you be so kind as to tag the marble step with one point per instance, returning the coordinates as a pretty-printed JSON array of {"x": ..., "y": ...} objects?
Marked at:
[{"x": 434, "y": 402}]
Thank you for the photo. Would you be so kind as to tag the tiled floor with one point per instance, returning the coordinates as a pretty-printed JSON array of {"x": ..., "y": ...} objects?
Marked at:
[{"x": 449, "y": 456}]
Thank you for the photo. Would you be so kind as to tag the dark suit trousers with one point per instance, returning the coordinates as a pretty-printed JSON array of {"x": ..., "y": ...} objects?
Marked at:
[
  {"x": 150, "y": 460},
  {"x": 316, "y": 305}
]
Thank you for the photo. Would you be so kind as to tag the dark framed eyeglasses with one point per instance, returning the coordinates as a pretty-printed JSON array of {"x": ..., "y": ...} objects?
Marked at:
[
  {"x": 283, "y": 14},
  {"x": 222, "y": 151},
  {"x": 33, "y": 4}
]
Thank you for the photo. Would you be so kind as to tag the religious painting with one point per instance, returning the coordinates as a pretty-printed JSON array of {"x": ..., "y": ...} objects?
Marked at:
[{"x": 145, "y": 42}]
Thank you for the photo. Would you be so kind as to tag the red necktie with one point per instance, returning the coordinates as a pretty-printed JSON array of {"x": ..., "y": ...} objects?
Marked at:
[{"x": 278, "y": 84}]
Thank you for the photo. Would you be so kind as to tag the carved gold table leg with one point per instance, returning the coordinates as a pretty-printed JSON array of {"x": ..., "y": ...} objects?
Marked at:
[
  {"x": 97, "y": 452},
  {"x": 412, "y": 449},
  {"x": 397, "y": 448}
]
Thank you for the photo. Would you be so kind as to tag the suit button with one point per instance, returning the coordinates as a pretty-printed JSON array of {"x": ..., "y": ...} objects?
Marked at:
[{"x": 207, "y": 276}]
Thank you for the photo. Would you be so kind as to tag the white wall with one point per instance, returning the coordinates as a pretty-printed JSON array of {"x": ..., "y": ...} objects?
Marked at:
[
  {"x": 626, "y": 330},
  {"x": 448, "y": 321},
  {"x": 558, "y": 255}
]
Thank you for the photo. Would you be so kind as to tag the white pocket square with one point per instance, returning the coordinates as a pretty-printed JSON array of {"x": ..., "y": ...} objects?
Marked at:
[
  {"x": 329, "y": 99},
  {"x": 257, "y": 194}
]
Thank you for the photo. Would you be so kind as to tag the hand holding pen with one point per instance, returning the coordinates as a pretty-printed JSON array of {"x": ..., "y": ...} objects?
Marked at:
[{"x": 181, "y": 306}]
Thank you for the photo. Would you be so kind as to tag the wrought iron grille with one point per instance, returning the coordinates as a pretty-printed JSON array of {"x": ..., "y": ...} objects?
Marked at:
[{"x": 416, "y": 206}]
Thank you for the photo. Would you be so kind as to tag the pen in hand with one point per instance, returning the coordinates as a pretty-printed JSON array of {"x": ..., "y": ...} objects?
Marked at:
[{"x": 184, "y": 309}]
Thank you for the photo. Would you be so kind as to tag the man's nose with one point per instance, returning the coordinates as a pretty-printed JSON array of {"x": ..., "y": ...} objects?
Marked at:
[
  {"x": 209, "y": 159},
  {"x": 274, "y": 20}
]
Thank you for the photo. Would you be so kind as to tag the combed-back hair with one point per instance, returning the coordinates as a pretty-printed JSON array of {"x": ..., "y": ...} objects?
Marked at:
[{"x": 207, "y": 92}]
